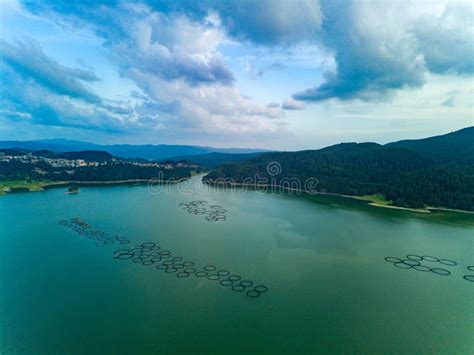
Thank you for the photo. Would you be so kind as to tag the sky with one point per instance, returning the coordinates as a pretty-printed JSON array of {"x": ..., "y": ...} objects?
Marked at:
[{"x": 274, "y": 74}]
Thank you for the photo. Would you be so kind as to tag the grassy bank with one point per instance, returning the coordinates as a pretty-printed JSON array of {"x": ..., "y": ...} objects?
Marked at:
[
  {"x": 379, "y": 200},
  {"x": 39, "y": 185},
  {"x": 23, "y": 185}
]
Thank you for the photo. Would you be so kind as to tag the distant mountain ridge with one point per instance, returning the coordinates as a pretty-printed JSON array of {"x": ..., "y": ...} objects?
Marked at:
[
  {"x": 215, "y": 159},
  {"x": 145, "y": 151}
]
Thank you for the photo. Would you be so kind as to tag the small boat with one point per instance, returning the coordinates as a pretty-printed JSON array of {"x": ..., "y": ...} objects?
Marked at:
[{"x": 73, "y": 190}]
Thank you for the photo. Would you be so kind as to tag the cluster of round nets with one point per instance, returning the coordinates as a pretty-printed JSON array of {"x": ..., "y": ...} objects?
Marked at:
[
  {"x": 151, "y": 254},
  {"x": 469, "y": 277},
  {"x": 86, "y": 230},
  {"x": 414, "y": 262},
  {"x": 212, "y": 213}
]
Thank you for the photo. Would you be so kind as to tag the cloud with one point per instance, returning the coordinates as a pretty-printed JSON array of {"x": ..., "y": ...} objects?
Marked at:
[
  {"x": 254, "y": 72},
  {"x": 449, "y": 102},
  {"x": 267, "y": 22},
  {"x": 373, "y": 53},
  {"x": 28, "y": 59},
  {"x": 24, "y": 99},
  {"x": 270, "y": 22},
  {"x": 175, "y": 61},
  {"x": 37, "y": 89},
  {"x": 292, "y": 104},
  {"x": 446, "y": 41},
  {"x": 174, "y": 53},
  {"x": 382, "y": 47},
  {"x": 211, "y": 109},
  {"x": 378, "y": 48},
  {"x": 170, "y": 46}
]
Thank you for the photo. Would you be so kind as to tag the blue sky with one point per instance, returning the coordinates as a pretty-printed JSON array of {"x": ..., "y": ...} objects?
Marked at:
[{"x": 275, "y": 74}]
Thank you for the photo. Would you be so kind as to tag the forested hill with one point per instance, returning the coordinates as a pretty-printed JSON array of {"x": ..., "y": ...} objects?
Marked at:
[
  {"x": 457, "y": 146},
  {"x": 409, "y": 173}
]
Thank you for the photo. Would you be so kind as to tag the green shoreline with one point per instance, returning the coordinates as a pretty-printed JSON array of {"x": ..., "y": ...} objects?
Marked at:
[
  {"x": 372, "y": 201},
  {"x": 34, "y": 186}
]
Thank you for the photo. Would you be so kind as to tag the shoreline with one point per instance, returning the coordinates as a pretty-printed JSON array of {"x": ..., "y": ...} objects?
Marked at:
[
  {"x": 425, "y": 210},
  {"x": 112, "y": 182},
  {"x": 57, "y": 184}
]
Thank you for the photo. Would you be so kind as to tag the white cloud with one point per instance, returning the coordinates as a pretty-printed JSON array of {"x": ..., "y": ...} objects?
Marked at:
[
  {"x": 170, "y": 46},
  {"x": 209, "y": 109},
  {"x": 175, "y": 60},
  {"x": 447, "y": 40},
  {"x": 177, "y": 64}
]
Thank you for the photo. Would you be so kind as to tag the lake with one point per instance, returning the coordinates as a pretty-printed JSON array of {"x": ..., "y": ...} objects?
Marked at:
[{"x": 322, "y": 260}]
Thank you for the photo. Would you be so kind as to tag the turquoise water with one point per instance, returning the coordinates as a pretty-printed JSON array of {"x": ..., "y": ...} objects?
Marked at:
[{"x": 329, "y": 288}]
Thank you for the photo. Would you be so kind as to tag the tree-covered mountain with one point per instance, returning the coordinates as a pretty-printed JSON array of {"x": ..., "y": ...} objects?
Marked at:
[
  {"x": 415, "y": 174},
  {"x": 456, "y": 146}
]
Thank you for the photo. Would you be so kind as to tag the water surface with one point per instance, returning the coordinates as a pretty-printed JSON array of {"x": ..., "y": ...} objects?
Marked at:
[{"x": 330, "y": 290}]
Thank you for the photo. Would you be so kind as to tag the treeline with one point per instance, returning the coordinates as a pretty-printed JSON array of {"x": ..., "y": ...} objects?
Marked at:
[
  {"x": 16, "y": 170},
  {"x": 402, "y": 175},
  {"x": 126, "y": 171}
]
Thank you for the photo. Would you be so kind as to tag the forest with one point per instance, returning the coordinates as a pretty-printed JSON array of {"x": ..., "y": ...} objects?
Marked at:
[{"x": 434, "y": 172}]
